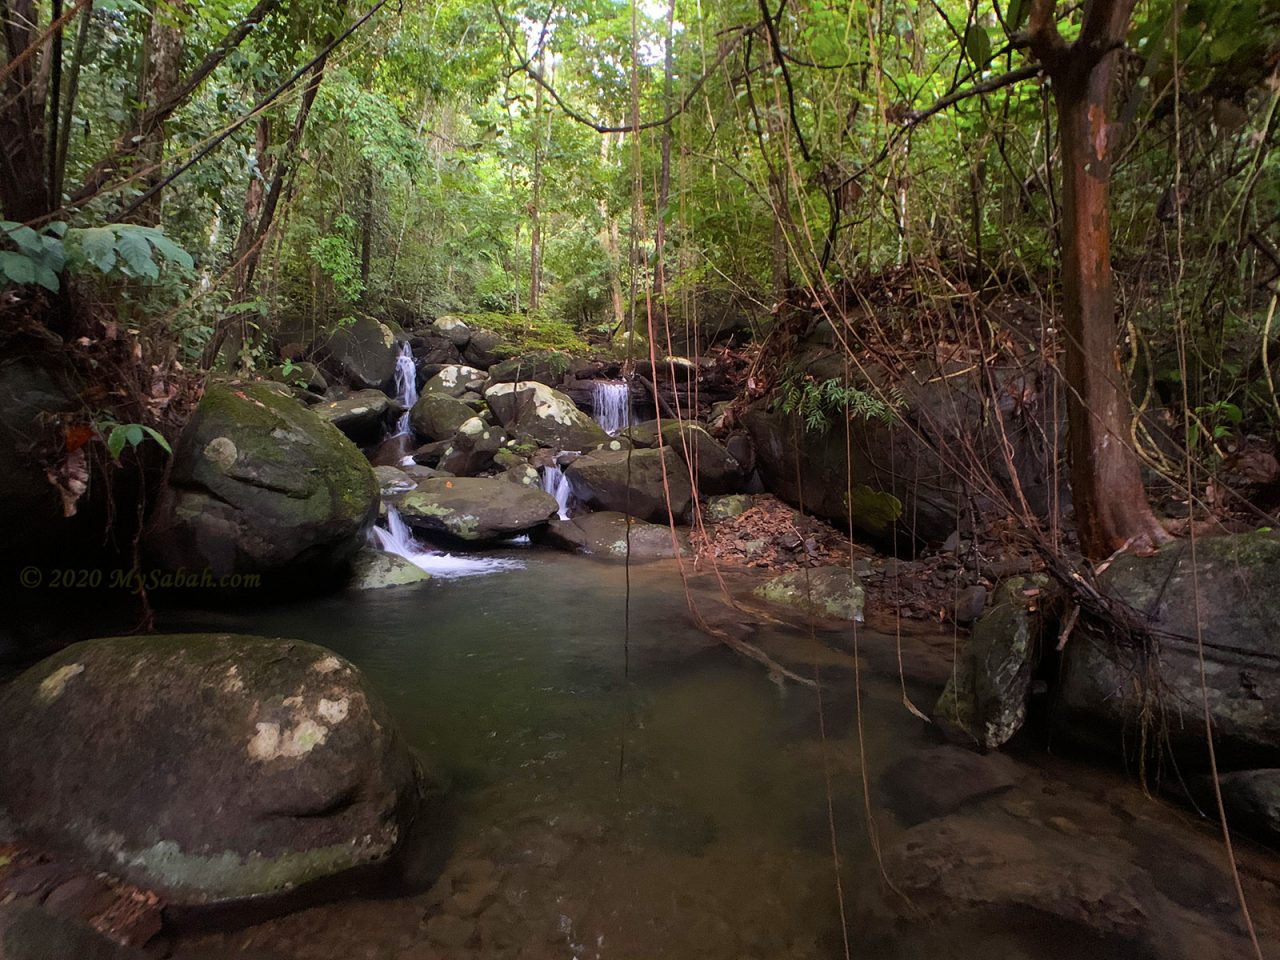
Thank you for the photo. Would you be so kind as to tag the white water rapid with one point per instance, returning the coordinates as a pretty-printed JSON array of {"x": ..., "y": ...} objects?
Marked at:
[
  {"x": 556, "y": 483},
  {"x": 611, "y": 404},
  {"x": 397, "y": 538},
  {"x": 406, "y": 386}
]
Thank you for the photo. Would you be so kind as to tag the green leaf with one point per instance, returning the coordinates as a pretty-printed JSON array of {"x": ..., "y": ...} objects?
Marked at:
[
  {"x": 133, "y": 434},
  {"x": 136, "y": 252},
  {"x": 978, "y": 45},
  {"x": 26, "y": 239},
  {"x": 17, "y": 267},
  {"x": 168, "y": 249},
  {"x": 115, "y": 442},
  {"x": 46, "y": 278},
  {"x": 159, "y": 438},
  {"x": 99, "y": 246},
  {"x": 1016, "y": 15}
]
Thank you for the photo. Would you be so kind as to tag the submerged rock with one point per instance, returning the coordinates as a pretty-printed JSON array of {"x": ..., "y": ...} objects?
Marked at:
[
  {"x": 548, "y": 417},
  {"x": 260, "y": 484},
  {"x": 476, "y": 508},
  {"x": 605, "y": 535},
  {"x": 375, "y": 569},
  {"x": 829, "y": 592},
  {"x": 631, "y": 482},
  {"x": 985, "y": 700},
  {"x": 208, "y": 767}
]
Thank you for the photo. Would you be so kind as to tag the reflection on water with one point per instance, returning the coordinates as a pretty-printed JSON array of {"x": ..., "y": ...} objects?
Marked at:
[{"x": 646, "y": 793}]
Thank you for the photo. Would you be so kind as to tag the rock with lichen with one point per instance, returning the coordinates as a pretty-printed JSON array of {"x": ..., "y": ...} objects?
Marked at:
[{"x": 208, "y": 767}]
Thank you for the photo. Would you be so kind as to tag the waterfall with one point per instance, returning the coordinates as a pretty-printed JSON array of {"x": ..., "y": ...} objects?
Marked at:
[
  {"x": 556, "y": 483},
  {"x": 397, "y": 538},
  {"x": 611, "y": 404},
  {"x": 406, "y": 385}
]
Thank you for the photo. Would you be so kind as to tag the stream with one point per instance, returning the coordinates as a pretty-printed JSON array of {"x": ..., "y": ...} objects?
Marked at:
[{"x": 647, "y": 793}]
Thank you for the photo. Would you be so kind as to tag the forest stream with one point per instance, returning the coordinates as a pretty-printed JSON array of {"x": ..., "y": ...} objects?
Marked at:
[{"x": 651, "y": 794}]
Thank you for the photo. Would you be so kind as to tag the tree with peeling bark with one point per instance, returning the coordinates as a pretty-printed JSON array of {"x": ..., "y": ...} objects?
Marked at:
[{"x": 1111, "y": 506}]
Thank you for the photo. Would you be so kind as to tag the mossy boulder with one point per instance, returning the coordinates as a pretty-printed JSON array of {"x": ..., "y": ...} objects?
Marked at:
[
  {"x": 541, "y": 366},
  {"x": 615, "y": 536},
  {"x": 260, "y": 484},
  {"x": 456, "y": 380},
  {"x": 716, "y": 471},
  {"x": 985, "y": 700},
  {"x": 437, "y": 416},
  {"x": 476, "y": 508},
  {"x": 631, "y": 482},
  {"x": 828, "y": 593},
  {"x": 376, "y": 569},
  {"x": 208, "y": 767},
  {"x": 472, "y": 448},
  {"x": 364, "y": 416},
  {"x": 1225, "y": 605},
  {"x": 532, "y": 410},
  {"x": 728, "y": 506},
  {"x": 363, "y": 354}
]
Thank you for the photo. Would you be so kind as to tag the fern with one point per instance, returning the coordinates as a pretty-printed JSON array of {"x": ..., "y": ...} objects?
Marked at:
[{"x": 818, "y": 404}]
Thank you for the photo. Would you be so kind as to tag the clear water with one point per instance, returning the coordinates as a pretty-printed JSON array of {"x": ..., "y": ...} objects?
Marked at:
[
  {"x": 648, "y": 793},
  {"x": 611, "y": 405}
]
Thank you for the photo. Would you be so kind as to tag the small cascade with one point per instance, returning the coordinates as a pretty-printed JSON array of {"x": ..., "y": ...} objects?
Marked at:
[
  {"x": 556, "y": 483},
  {"x": 397, "y": 538},
  {"x": 406, "y": 385},
  {"x": 611, "y": 405}
]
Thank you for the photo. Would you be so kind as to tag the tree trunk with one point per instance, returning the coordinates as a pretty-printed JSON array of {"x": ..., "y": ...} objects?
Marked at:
[
  {"x": 664, "y": 185},
  {"x": 161, "y": 63},
  {"x": 1111, "y": 506},
  {"x": 366, "y": 232},
  {"x": 535, "y": 208},
  {"x": 24, "y": 192}
]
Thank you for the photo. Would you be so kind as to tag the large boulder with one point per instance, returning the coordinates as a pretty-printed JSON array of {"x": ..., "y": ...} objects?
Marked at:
[
  {"x": 631, "y": 482},
  {"x": 472, "y": 448},
  {"x": 829, "y": 593},
  {"x": 363, "y": 354},
  {"x": 985, "y": 700},
  {"x": 716, "y": 471},
  {"x": 364, "y": 416},
  {"x": 542, "y": 366},
  {"x": 208, "y": 767},
  {"x": 532, "y": 410},
  {"x": 437, "y": 416},
  {"x": 914, "y": 473},
  {"x": 485, "y": 348},
  {"x": 476, "y": 508},
  {"x": 1225, "y": 606},
  {"x": 376, "y": 569},
  {"x": 1212, "y": 621},
  {"x": 260, "y": 484},
  {"x": 455, "y": 380},
  {"x": 615, "y": 536}
]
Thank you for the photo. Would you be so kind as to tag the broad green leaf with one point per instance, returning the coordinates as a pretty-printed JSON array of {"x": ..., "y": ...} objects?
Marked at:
[
  {"x": 168, "y": 249},
  {"x": 99, "y": 246},
  {"x": 17, "y": 267},
  {"x": 978, "y": 45},
  {"x": 136, "y": 253},
  {"x": 46, "y": 278},
  {"x": 26, "y": 239},
  {"x": 133, "y": 434}
]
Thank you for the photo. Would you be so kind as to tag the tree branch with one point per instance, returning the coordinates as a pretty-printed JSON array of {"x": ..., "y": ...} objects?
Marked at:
[{"x": 527, "y": 67}]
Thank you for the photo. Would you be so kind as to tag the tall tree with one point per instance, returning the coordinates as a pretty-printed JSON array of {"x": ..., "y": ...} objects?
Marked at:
[
  {"x": 161, "y": 71},
  {"x": 1112, "y": 510}
]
